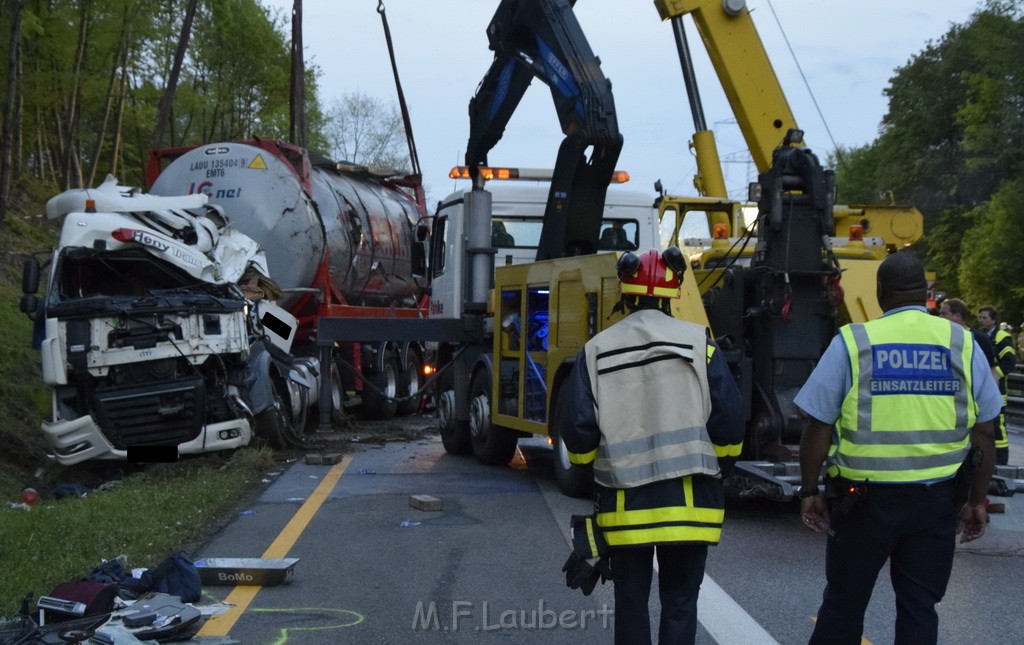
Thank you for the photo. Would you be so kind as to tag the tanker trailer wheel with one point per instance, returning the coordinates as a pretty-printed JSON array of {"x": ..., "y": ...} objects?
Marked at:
[
  {"x": 275, "y": 424},
  {"x": 492, "y": 445},
  {"x": 410, "y": 383},
  {"x": 454, "y": 434},
  {"x": 375, "y": 404},
  {"x": 337, "y": 402},
  {"x": 574, "y": 480}
]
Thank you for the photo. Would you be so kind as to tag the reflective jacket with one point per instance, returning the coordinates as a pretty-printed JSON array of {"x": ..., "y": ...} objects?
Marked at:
[
  {"x": 908, "y": 416},
  {"x": 656, "y": 410}
]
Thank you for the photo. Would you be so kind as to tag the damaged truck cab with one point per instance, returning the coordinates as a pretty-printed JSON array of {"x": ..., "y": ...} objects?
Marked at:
[{"x": 157, "y": 338}]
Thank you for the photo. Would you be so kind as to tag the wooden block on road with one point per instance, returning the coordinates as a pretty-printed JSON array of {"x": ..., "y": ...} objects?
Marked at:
[{"x": 425, "y": 502}]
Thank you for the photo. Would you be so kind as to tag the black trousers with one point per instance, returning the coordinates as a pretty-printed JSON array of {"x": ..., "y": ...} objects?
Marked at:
[
  {"x": 680, "y": 572},
  {"x": 911, "y": 526}
]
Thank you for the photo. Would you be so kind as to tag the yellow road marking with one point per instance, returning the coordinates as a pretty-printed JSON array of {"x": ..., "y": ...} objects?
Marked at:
[{"x": 241, "y": 596}]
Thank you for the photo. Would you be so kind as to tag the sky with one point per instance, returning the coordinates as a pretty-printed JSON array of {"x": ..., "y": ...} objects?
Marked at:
[{"x": 848, "y": 50}]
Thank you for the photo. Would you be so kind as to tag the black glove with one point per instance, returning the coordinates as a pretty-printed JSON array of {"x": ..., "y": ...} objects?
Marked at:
[{"x": 580, "y": 574}]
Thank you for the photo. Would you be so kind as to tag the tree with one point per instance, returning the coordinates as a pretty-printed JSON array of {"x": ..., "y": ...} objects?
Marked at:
[
  {"x": 367, "y": 131},
  {"x": 992, "y": 272}
]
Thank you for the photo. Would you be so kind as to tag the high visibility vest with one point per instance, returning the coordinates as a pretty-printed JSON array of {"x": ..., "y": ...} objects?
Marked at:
[
  {"x": 910, "y": 411},
  {"x": 648, "y": 374}
]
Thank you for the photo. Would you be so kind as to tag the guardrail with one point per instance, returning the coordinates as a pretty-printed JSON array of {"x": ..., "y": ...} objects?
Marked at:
[{"x": 1015, "y": 393}]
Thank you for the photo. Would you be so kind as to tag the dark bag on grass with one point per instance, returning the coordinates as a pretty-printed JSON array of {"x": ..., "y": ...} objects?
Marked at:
[
  {"x": 97, "y": 597},
  {"x": 176, "y": 576}
]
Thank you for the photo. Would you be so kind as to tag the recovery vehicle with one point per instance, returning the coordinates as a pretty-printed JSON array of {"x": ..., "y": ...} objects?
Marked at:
[{"x": 775, "y": 301}]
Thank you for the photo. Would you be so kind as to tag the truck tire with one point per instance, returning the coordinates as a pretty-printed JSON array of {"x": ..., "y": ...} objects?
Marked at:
[
  {"x": 574, "y": 480},
  {"x": 454, "y": 434},
  {"x": 383, "y": 406},
  {"x": 410, "y": 383},
  {"x": 492, "y": 445},
  {"x": 337, "y": 402},
  {"x": 275, "y": 425}
]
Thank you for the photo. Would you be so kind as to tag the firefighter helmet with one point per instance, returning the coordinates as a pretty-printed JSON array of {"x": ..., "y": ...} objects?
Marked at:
[{"x": 652, "y": 273}]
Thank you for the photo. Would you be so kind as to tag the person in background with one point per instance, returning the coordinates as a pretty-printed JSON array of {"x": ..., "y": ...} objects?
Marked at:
[
  {"x": 657, "y": 412},
  {"x": 893, "y": 408},
  {"x": 1006, "y": 361},
  {"x": 956, "y": 310},
  {"x": 1020, "y": 344}
]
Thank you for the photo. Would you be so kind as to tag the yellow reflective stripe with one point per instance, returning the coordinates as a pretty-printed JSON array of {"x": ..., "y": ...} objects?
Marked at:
[
  {"x": 665, "y": 292},
  {"x": 711, "y": 351},
  {"x": 664, "y": 534},
  {"x": 688, "y": 494},
  {"x": 636, "y": 289},
  {"x": 668, "y": 514},
  {"x": 582, "y": 458},
  {"x": 999, "y": 371},
  {"x": 731, "y": 450},
  {"x": 620, "y": 503},
  {"x": 590, "y": 535}
]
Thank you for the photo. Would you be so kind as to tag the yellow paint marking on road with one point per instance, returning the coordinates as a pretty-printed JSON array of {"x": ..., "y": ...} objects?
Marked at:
[{"x": 241, "y": 596}]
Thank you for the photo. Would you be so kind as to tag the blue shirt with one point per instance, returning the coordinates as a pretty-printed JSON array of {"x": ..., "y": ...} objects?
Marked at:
[{"x": 822, "y": 395}]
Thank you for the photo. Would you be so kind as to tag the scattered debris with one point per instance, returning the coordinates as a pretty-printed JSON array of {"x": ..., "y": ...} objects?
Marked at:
[
  {"x": 263, "y": 572},
  {"x": 323, "y": 458},
  {"x": 425, "y": 502},
  {"x": 410, "y": 523}
]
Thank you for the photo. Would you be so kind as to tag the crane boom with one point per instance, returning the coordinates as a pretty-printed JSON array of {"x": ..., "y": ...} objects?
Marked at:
[{"x": 543, "y": 39}]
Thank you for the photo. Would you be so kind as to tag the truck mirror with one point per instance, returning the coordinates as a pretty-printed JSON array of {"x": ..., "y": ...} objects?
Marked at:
[
  {"x": 422, "y": 232},
  {"x": 29, "y": 304},
  {"x": 30, "y": 276}
]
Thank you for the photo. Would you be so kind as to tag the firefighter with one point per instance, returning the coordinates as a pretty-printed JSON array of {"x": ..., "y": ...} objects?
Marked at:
[
  {"x": 1006, "y": 361},
  {"x": 657, "y": 412},
  {"x": 909, "y": 394}
]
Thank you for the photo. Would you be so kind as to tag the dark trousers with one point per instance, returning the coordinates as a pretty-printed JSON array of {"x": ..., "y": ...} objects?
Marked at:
[
  {"x": 914, "y": 527},
  {"x": 680, "y": 572}
]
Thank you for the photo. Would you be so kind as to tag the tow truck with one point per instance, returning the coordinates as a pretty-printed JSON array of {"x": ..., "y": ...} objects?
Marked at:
[{"x": 774, "y": 301}]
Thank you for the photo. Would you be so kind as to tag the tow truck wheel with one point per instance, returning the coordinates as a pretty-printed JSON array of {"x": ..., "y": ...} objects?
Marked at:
[
  {"x": 454, "y": 434},
  {"x": 275, "y": 424},
  {"x": 410, "y": 383},
  {"x": 382, "y": 405},
  {"x": 492, "y": 445},
  {"x": 574, "y": 480}
]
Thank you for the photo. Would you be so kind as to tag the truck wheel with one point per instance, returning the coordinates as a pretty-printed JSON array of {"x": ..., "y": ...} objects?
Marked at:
[
  {"x": 378, "y": 406},
  {"x": 454, "y": 434},
  {"x": 573, "y": 480},
  {"x": 492, "y": 445},
  {"x": 275, "y": 424},
  {"x": 337, "y": 402},
  {"x": 410, "y": 383}
]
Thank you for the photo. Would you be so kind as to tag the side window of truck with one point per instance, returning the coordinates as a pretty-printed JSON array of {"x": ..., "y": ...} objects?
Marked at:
[{"x": 439, "y": 245}]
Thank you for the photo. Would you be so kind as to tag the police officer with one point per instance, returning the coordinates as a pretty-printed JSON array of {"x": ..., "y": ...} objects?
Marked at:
[
  {"x": 909, "y": 393},
  {"x": 1006, "y": 361},
  {"x": 657, "y": 412}
]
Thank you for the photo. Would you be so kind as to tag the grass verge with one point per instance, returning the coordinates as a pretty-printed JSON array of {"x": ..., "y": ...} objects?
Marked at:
[{"x": 147, "y": 516}]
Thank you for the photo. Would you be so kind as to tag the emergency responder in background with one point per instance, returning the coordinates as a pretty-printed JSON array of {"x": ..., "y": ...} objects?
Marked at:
[
  {"x": 657, "y": 412},
  {"x": 1006, "y": 361},
  {"x": 956, "y": 310},
  {"x": 910, "y": 393},
  {"x": 1020, "y": 344}
]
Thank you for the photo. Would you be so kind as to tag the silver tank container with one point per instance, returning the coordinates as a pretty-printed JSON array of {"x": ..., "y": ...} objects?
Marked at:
[{"x": 366, "y": 227}]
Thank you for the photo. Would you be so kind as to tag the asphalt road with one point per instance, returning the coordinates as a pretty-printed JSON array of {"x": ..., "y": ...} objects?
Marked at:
[{"x": 486, "y": 568}]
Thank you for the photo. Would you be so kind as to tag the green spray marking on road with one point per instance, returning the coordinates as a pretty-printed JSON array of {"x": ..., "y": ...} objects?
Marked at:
[{"x": 353, "y": 618}]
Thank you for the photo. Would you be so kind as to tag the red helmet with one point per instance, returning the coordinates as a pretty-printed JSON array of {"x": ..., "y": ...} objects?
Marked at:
[{"x": 652, "y": 273}]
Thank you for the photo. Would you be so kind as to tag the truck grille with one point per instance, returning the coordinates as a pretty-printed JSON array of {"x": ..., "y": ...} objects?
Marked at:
[{"x": 158, "y": 414}]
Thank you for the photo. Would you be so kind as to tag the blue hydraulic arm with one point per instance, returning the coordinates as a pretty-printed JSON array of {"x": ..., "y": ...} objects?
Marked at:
[{"x": 542, "y": 38}]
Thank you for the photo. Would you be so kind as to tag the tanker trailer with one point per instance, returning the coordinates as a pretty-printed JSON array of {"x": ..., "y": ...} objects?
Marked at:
[{"x": 339, "y": 240}]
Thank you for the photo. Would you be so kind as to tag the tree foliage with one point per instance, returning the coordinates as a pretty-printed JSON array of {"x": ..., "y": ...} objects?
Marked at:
[
  {"x": 92, "y": 72},
  {"x": 367, "y": 131},
  {"x": 952, "y": 144}
]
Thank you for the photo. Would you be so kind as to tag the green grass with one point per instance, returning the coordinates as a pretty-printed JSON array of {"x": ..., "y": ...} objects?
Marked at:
[{"x": 147, "y": 516}]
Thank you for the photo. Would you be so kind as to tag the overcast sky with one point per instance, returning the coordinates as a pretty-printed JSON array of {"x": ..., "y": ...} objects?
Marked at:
[{"x": 848, "y": 51}]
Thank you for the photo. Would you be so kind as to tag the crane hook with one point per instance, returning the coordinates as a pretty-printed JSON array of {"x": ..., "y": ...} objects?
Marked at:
[{"x": 380, "y": 7}]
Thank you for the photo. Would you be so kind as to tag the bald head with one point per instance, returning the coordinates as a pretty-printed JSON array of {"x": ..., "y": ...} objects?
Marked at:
[{"x": 901, "y": 282}]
